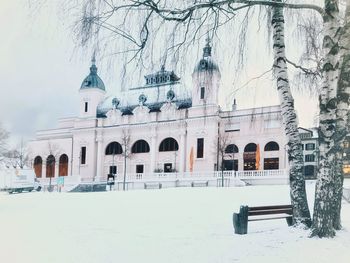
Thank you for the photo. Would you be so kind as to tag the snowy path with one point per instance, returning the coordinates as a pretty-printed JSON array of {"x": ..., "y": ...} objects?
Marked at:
[{"x": 168, "y": 225}]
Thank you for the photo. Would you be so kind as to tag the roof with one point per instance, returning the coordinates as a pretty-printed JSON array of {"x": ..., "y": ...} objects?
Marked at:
[
  {"x": 206, "y": 63},
  {"x": 93, "y": 80}
]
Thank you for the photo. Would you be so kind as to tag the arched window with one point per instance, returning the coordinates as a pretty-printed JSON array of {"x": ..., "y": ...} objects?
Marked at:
[
  {"x": 232, "y": 148},
  {"x": 141, "y": 146},
  {"x": 114, "y": 148},
  {"x": 168, "y": 145},
  {"x": 249, "y": 157},
  {"x": 271, "y": 146},
  {"x": 251, "y": 147},
  {"x": 38, "y": 166},
  {"x": 50, "y": 166},
  {"x": 63, "y": 165}
]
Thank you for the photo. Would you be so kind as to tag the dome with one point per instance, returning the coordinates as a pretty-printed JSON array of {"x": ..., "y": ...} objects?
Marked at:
[
  {"x": 206, "y": 63},
  {"x": 93, "y": 80}
]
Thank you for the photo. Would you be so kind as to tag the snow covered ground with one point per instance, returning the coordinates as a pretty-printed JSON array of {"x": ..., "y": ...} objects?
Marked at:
[{"x": 167, "y": 225}]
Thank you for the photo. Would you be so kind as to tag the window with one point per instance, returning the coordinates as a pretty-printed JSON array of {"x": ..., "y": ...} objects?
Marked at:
[
  {"x": 141, "y": 146},
  {"x": 168, "y": 145},
  {"x": 230, "y": 165},
  {"x": 113, "y": 169},
  {"x": 309, "y": 146},
  {"x": 251, "y": 147},
  {"x": 114, "y": 148},
  {"x": 63, "y": 165},
  {"x": 83, "y": 155},
  {"x": 271, "y": 163},
  {"x": 168, "y": 167},
  {"x": 200, "y": 148},
  {"x": 50, "y": 166},
  {"x": 202, "y": 93},
  {"x": 139, "y": 168},
  {"x": 309, "y": 170},
  {"x": 309, "y": 158},
  {"x": 232, "y": 148},
  {"x": 271, "y": 146},
  {"x": 38, "y": 166},
  {"x": 86, "y": 107}
]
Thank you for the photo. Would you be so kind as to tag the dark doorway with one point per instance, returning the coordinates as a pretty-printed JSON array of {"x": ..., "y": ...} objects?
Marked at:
[
  {"x": 168, "y": 167},
  {"x": 139, "y": 168}
]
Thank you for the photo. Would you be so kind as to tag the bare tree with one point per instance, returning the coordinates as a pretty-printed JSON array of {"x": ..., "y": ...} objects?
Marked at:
[
  {"x": 125, "y": 142},
  {"x": 301, "y": 213},
  {"x": 18, "y": 157},
  {"x": 223, "y": 153},
  {"x": 53, "y": 152}
]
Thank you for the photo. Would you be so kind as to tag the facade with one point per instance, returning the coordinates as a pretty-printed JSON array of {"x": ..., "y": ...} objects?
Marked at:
[{"x": 160, "y": 127}]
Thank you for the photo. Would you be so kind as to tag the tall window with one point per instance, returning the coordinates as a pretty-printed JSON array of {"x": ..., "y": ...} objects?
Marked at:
[
  {"x": 200, "y": 148},
  {"x": 63, "y": 165},
  {"x": 113, "y": 169},
  {"x": 141, "y": 146},
  {"x": 50, "y": 166},
  {"x": 38, "y": 166},
  {"x": 86, "y": 107},
  {"x": 168, "y": 145},
  {"x": 83, "y": 155},
  {"x": 202, "y": 93},
  {"x": 309, "y": 158}
]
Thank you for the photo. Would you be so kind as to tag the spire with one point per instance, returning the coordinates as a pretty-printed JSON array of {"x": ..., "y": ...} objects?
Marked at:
[
  {"x": 93, "y": 68},
  {"x": 207, "y": 48}
]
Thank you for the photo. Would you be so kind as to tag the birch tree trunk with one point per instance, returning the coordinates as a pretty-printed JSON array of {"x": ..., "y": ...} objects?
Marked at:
[
  {"x": 324, "y": 195},
  {"x": 342, "y": 115},
  {"x": 301, "y": 213}
]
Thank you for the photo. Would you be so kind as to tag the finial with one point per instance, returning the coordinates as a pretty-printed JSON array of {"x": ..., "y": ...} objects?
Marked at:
[
  {"x": 93, "y": 60},
  {"x": 93, "y": 68},
  {"x": 207, "y": 48}
]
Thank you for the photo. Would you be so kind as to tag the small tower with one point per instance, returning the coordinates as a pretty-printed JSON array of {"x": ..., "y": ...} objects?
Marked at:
[
  {"x": 206, "y": 80},
  {"x": 92, "y": 91}
]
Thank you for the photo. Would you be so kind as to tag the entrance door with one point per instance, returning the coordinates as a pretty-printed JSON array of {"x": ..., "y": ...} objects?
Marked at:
[{"x": 139, "y": 168}]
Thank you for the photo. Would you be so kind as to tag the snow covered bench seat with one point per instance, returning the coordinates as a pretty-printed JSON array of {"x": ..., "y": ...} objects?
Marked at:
[
  {"x": 240, "y": 220},
  {"x": 200, "y": 184},
  {"x": 152, "y": 185}
]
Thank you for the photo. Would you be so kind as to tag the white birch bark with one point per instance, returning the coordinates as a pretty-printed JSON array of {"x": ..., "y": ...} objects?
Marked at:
[
  {"x": 301, "y": 213},
  {"x": 342, "y": 115},
  {"x": 323, "y": 207}
]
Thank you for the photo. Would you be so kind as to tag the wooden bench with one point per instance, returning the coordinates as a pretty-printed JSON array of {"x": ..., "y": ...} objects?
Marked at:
[
  {"x": 152, "y": 185},
  {"x": 240, "y": 220},
  {"x": 200, "y": 184}
]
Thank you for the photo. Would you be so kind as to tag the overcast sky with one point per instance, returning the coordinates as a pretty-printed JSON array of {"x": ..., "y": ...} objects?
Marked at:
[{"x": 41, "y": 70}]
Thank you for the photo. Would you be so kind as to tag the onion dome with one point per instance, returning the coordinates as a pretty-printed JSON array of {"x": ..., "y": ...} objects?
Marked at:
[
  {"x": 206, "y": 63},
  {"x": 93, "y": 80}
]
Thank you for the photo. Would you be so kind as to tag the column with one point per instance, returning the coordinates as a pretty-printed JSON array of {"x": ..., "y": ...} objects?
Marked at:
[
  {"x": 153, "y": 152},
  {"x": 99, "y": 158},
  {"x": 182, "y": 157}
]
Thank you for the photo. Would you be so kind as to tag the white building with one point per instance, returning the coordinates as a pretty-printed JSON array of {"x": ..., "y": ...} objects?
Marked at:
[{"x": 162, "y": 128}]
